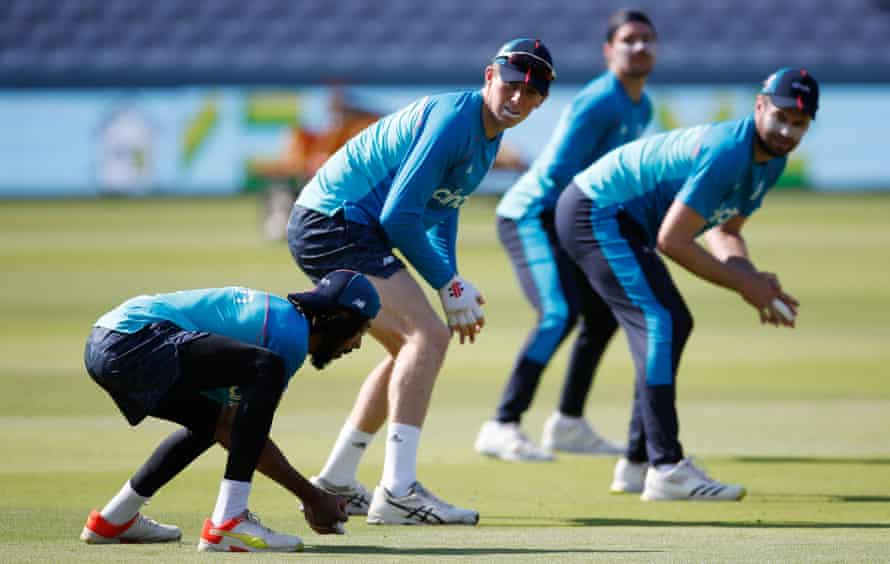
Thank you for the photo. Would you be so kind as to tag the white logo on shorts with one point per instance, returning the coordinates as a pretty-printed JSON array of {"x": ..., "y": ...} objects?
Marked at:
[{"x": 388, "y": 260}]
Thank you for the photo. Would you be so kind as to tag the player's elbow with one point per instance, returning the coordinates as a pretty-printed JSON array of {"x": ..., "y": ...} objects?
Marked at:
[{"x": 666, "y": 244}]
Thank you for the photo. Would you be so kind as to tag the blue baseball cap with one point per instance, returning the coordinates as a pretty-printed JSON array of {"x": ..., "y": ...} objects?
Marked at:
[
  {"x": 345, "y": 288},
  {"x": 793, "y": 88},
  {"x": 526, "y": 60}
]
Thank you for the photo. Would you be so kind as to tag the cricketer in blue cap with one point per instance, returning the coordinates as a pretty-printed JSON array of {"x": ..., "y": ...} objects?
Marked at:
[
  {"x": 344, "y": 288},
  {"x": 793, "y": 88},
  {"x": 526, "y": 60}
]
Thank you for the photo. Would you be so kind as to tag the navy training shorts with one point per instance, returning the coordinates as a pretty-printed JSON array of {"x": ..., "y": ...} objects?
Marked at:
[
  {"x": 137, "y": 369},
  {"x": 321, "y": 244}
]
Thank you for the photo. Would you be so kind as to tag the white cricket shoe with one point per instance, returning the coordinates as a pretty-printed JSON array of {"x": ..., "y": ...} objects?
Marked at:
[
  {"x": 138, "y": 530},
  {"x": 629, "y": 477},
  {"x": 358, "y": 498},
  {"x": 245, "y": 533},
  {"x": 575, "y": 434},
  {"x": 507, "y": 442},
  {"x": 688, "y": 482},
  {"x": 418, "y": 507}
]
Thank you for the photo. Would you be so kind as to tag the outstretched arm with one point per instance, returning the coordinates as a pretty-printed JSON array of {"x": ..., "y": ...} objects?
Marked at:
[
  {"x": 727, "y": 264},
  {"x": 323, "y": 511}
]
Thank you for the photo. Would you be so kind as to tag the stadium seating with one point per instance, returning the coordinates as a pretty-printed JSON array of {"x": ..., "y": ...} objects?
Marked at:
[{"x": 84, "y": 42}]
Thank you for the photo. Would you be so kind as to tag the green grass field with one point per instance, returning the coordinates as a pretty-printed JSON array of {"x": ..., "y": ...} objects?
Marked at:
[{"x": 800, "y": 417}]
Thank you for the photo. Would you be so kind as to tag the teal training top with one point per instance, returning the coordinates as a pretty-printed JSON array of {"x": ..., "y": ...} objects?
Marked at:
[
  {"x": 409, "y": 173},
  {"x": 250, "y": 316},
  {"x": 710, "y": 168},
  {"x": 600, "y": 117}
]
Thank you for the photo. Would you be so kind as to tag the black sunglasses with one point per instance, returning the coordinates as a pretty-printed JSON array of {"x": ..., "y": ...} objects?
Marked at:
[{"x": 528, "y": 62}]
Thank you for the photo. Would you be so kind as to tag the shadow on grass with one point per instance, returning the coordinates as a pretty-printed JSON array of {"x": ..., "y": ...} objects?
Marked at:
[
  {"x": 809, "y": 460},
  {"x": 465, "y": 551},
  {"x": 624, "y": 522}
]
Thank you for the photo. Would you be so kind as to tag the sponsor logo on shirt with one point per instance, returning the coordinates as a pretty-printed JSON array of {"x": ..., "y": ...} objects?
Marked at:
[
  {"x": 243, "y": 295},
  {"x": 723, "y": 214},
  {"x": 448, "y": 198}
]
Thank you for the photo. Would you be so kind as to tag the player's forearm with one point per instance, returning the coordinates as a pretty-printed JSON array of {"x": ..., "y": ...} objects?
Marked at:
[
  {"x": 730, "y": 248},
  {"x": 694, "y": 258},
  {"x": 273, "y": 464}
]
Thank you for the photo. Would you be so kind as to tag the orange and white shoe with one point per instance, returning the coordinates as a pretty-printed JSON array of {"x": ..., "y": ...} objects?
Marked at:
[
  {"x": 245, "y": 533},
  {"x": 138, "y": 530}
]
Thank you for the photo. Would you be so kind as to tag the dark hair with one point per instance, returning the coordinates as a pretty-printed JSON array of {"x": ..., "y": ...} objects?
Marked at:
[
  {"x": 622, "y": 17},
  {"x": 323, "y": 319}
]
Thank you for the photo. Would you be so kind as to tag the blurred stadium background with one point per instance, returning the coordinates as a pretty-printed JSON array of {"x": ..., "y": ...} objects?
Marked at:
[
  {"x": 221, "y": 96},
  {"x": 197, "y": 107}
]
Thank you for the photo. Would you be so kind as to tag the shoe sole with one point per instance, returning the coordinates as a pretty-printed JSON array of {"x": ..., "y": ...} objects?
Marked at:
[
  {"x": 650, "y": 497},
  {"x": 509, "y": 458},
  {"x": 90, "y": 537},
  {"x": 381, "y": 521},
  {"x": 204, "y": 546},
  {"x": 619, "y": 491}
]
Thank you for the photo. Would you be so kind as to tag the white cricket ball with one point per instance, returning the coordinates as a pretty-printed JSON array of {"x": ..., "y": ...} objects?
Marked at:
[{"x": 783, "y": 309}]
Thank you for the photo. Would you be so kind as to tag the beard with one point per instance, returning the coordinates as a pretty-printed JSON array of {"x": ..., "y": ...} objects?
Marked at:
[
  {"x": 323, "y": 355},
  {"x": 336, "y": 331},
  {"x": 768, "y": 148}
]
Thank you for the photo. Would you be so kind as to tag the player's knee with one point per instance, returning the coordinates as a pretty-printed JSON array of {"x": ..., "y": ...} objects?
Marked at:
[
  {"x": 434, "y": 337},
  {"x": 558, "y": 321}
]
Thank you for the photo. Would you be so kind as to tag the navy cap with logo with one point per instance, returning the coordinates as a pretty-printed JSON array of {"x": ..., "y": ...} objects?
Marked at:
[
  {"x": 344, "y": 288},
  {"x": 793, "y": 88},
  {"x": 526, "y": 60}
]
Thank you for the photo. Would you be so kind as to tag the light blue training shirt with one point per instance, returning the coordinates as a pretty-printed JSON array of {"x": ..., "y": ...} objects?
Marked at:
[
  {"x": 600, "y": 117},
  {"x": 710, "y": 168},
  {"x": 250, "y": 316},
  {"x": 409, "y": 173}
]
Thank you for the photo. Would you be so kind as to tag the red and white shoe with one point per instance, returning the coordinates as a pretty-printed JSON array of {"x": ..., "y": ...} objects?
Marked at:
[
  {"x": 138, "y": 530},
  {"x": 245, "y": 533}
]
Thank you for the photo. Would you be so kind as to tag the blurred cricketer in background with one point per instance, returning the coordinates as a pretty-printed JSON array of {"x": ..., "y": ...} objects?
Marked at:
[
  {"x": 609, "y": 111},
  {"x": 400, "y": 184},
  {"x": 177, "y": 356},
  {"x": 656, "y": 196}
]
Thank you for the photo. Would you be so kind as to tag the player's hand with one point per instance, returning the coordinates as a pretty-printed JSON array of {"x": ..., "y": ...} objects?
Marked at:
[
  {"x": 759, "y": 289},
  {"x": 325, "y": 513},
  {"x": 462, "y": 304}
]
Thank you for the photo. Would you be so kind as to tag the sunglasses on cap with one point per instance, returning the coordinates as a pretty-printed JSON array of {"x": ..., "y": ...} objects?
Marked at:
[{"x": 528, "y": 62}]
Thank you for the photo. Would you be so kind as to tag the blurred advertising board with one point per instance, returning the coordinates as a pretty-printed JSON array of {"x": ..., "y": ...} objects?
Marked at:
[{"x": 200, "y": 140}]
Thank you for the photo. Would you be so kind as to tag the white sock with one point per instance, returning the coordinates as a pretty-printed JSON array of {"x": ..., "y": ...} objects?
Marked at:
[
  {"x": 232, "y": 500},
  {"x": 665, "y": 468},
  {"x": 124, "y": 506},
  {"x": 400, "y": 461},
  {"x": 342, "y": 464}
]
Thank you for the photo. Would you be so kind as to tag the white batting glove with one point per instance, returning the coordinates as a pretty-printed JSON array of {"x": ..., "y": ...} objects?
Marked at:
[{"x": 462, "y": 304}]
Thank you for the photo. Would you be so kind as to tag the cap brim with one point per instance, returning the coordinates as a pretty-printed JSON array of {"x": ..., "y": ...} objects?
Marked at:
[
  {"x": 788, "y": 102},
  {"x": 311, "y": 299},
  {"x": 510, "y": 73}
]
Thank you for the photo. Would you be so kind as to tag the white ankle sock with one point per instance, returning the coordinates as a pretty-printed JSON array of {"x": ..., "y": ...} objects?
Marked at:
[
  {"x": 342, "y": 464},
  {"x": 124, "y": 506},
  {"x": 400, "y": 461},
  {"x": 665, "y": 468},
  {"x": 231, "y": 502}
]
